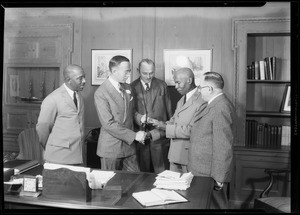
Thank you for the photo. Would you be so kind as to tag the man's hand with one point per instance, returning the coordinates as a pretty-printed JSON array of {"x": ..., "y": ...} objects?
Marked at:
[
  {"x": 160, "y": 125},
  {"x": 140, "y": 136},
  {"x": 143, "y": 119}
]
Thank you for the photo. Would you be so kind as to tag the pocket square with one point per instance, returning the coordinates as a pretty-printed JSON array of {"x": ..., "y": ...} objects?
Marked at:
[{"x": 131, "y": 99}]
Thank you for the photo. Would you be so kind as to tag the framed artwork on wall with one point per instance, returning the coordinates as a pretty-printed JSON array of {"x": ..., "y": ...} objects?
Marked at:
[
  {"x": 199, "y": 61},
  {"x": 286, "y": 101},
  {"x": 100, "y": 61}
]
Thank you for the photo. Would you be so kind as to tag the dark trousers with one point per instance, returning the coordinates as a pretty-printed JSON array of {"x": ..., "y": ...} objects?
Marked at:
[
  {"x": 153, "y": 155},
  {"x": 219, "y": 199}
]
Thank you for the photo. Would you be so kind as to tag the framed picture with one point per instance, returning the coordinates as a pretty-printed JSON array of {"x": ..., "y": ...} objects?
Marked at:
[
  {"x": 100, "y": 61},
  {"x": 286, "y": 101},
  {"x": 199, "y": 61}
]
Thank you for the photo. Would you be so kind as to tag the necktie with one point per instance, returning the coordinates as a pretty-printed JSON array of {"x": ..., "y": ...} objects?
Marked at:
[
  {"x": 121, "y": 90},
  {"x": 75, "y": 99},
  {"x": 184, "y": 99},
  {"x": 147, "y": 87}
]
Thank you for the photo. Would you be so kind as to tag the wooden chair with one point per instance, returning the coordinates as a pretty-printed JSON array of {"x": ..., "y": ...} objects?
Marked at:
[
  {"x": 30, "y": 148},
  {"x": 273, "y": 204}
]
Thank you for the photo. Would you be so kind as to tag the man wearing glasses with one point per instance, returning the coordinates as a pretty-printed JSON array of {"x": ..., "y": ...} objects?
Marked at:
[{"x": 211, "y": 138}]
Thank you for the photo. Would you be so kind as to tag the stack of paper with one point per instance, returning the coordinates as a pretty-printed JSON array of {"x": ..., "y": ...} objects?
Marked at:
[
  {"x": 173, "y": 180},
  {"x": 98, "y": 178},
  {"x": 158, "y": 197}
]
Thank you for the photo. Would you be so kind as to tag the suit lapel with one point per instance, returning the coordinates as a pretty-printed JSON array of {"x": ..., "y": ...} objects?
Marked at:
[
  {"x": 208, "y": 107},
  {"x": 115, "y": 95},
  {"x": 189, "y": 102},
  {"x": 67, "y": 98}
]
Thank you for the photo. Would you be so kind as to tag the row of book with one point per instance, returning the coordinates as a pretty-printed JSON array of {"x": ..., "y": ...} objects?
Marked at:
[
  {"x": 267, "y": 136},
  {"x": 263, "y": 69}
]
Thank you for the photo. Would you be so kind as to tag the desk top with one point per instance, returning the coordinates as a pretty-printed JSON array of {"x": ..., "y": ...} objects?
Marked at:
[{"x": 198, "y": 194}]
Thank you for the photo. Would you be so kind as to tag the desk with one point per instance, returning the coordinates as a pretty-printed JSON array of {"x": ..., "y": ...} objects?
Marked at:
[{"x": 198, "y": 194}]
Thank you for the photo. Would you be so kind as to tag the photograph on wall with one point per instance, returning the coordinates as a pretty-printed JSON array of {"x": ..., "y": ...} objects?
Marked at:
[
  {"x": 199, "y": 61},
  {"x": 100, "y": 61},
  {"x": 286, "y": 102}
]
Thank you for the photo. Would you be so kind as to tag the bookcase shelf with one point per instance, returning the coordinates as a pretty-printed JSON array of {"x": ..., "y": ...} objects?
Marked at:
[
  {"x": 268, "y": 81},
  {"x": 267, "y": 114},
  {"x": 258, "y": 104}
]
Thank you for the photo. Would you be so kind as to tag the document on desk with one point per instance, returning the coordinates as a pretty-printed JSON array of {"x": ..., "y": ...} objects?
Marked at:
[
  {"x": 26, "y": 166},
  {"x": 98, "y": 178},
  {"x": 156, "y": 196},
  {"x": 173, "y": 180}
]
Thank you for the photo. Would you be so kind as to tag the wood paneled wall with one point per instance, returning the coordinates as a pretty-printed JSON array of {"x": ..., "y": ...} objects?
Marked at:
[{"x": 148, "y": 31}]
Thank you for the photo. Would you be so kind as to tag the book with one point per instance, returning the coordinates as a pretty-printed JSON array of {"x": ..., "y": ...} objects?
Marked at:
[
  {"x": 173, "y": 180},
  {"x": 273, "y": 60},
  {"x": 26, "y": 166},
  {"x": 156, "y": 196},
  {"x": 262, "y": 70},
  {"x": 256, "y": 69}
]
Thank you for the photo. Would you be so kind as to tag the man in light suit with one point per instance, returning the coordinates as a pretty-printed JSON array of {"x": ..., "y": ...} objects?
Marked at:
[
  {"x": 60, "y": 124},
  {"x": 212, "y": 138},
  {"x": 115, "y": 107},
  {"x": 152, "y": 100},
  {"x": 179, "y": 126}
]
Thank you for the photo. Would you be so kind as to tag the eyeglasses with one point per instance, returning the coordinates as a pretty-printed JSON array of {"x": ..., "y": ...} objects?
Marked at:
[{"x": 200, "y": 88}]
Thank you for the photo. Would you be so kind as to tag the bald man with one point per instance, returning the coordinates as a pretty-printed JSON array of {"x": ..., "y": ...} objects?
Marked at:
[
  {"x": 60, "y": 124},
  {"x": 179, "y": 126}
]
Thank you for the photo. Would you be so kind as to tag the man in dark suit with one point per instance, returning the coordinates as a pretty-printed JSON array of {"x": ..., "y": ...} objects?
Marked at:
[
  {"x": 211, "y": 140},
  {"x": 115, "y": 108},
  {"x": 152, "y": 100},
  {"x": 60, "y": 124}
]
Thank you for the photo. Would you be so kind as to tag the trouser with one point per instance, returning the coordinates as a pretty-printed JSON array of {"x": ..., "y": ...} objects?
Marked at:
[
  {"x": 219, "y": 199},
  {"x": 176, "y": 167},
  {"x": 125, "y": 164}
]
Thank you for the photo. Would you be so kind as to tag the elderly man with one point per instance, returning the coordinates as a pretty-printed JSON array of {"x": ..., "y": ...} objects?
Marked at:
[
  {"x": 179, "y": 126},
  {"x": 60, "y": 124},
  {"x": 152, "y": 99}
]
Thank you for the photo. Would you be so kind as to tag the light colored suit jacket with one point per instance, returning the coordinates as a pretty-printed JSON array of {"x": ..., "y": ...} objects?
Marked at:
[
  {"x": 61, "y": 127},
  {"x": 116, "y": 116},
  {"x": 211, "y": 140},
  {"x": 179, "y": 127},
  {"x": 157, "y": 100}
]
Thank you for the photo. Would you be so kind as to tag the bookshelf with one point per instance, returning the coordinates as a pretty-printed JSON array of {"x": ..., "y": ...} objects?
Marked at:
[{"x": 258, "y": 98}]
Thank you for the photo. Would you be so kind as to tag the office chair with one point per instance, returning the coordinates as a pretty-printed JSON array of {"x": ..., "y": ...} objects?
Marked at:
[
  {"x": 30, "y": 148},
  {"x": 273, "y": 204}
]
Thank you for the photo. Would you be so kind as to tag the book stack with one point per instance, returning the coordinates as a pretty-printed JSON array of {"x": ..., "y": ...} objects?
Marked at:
[
  {"x": 264, "y": 135},
  {"x": 262, "y": 69},
  {"x": 173, "y": 180}
]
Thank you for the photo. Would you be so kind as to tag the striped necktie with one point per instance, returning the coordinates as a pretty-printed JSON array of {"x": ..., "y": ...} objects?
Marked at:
[{"x": 147, "y": 87}]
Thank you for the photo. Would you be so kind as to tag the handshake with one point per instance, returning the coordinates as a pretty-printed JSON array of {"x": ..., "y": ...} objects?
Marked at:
[{"x": 142, "y": 136}]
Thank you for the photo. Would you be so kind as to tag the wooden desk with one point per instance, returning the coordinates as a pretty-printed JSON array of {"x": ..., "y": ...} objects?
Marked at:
[{"x": 198, "y": 194}]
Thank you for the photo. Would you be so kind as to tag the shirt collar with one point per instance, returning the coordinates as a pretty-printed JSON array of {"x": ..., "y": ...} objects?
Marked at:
[
  {"x": 70, "y": 92},
  {"x": 189, "y": 94},
  {"x": 114, "y": 83},
  {"x": 144, "y": 84},
  {"x": 213, "y": 98}
]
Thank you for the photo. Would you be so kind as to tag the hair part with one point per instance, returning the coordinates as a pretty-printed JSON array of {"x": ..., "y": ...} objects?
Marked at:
[
  {"x": 116, "y": 61},
  {"x": 214, "y": 78}
]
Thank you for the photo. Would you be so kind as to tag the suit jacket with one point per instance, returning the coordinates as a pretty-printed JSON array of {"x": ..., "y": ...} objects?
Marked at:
[
  {"x": 157, "y": 100},
  {"x": 61, "y": 127},
  {"x": 116, "y": 116},
  {"x": 179, "y": 127},
  {"x": 211, "y": 140}
]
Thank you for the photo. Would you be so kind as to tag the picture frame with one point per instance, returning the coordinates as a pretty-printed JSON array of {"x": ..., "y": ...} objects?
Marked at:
[
  {"x": 286, "y": 101},
  {"x": 198, "y": 60},
  {"x": 100, "y": 61}
]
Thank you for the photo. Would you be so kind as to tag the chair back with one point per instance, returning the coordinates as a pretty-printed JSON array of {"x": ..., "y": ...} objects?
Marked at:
[{"x": 29, "y": 145}]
